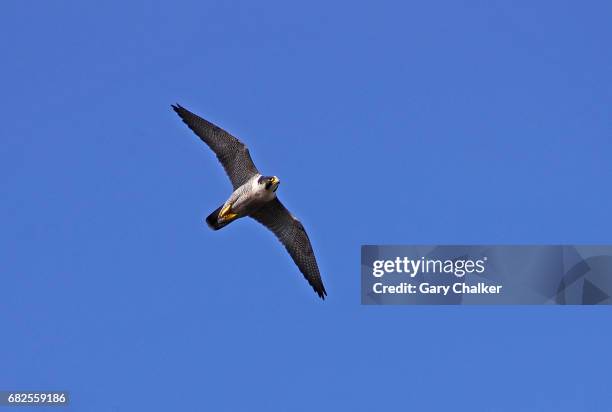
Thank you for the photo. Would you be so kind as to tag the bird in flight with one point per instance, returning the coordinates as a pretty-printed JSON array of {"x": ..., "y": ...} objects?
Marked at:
[{"x": 254, "y": 195}]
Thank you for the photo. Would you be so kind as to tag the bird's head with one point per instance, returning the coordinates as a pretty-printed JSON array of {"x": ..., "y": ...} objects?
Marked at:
[{"x": 269, "y": 182}]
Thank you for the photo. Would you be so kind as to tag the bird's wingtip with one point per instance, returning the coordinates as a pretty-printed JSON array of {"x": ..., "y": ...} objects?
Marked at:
[{"x": 321, "y": 292}]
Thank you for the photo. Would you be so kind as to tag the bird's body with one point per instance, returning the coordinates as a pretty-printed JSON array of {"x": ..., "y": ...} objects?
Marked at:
[
  {"x": 245, "y": 200},
  {"x": 254, "y": 195}
]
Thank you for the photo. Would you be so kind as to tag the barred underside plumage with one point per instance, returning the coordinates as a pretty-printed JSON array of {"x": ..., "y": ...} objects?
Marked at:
[
  {"x": 231, "y": 152},
  {"x": 291, "y": 233}
]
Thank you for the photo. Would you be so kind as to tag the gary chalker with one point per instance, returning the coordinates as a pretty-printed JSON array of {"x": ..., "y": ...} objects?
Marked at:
[{"x": 429, "y": 289}]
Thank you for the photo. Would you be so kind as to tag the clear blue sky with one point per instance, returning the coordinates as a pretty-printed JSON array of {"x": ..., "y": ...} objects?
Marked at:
[{"x": 433, "y": 122}]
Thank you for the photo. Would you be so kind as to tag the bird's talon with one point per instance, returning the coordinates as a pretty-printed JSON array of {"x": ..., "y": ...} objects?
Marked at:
[{"x": 225, "y": 213}]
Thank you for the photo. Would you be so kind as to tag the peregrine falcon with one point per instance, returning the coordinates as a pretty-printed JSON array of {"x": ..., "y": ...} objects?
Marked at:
[{"x": 254, "y": 195}]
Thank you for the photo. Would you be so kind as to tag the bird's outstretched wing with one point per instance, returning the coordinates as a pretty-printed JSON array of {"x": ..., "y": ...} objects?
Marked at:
[
  {"x": 231, "y": 152},
  {"x": 292, "y": 235}
]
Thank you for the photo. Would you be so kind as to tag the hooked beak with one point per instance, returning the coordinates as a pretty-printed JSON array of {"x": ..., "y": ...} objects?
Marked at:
[{"x": 275, "y": 183}]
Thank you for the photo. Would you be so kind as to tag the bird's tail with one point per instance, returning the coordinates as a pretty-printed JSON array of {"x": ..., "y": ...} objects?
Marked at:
[{"x": 214, "y": 222}]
